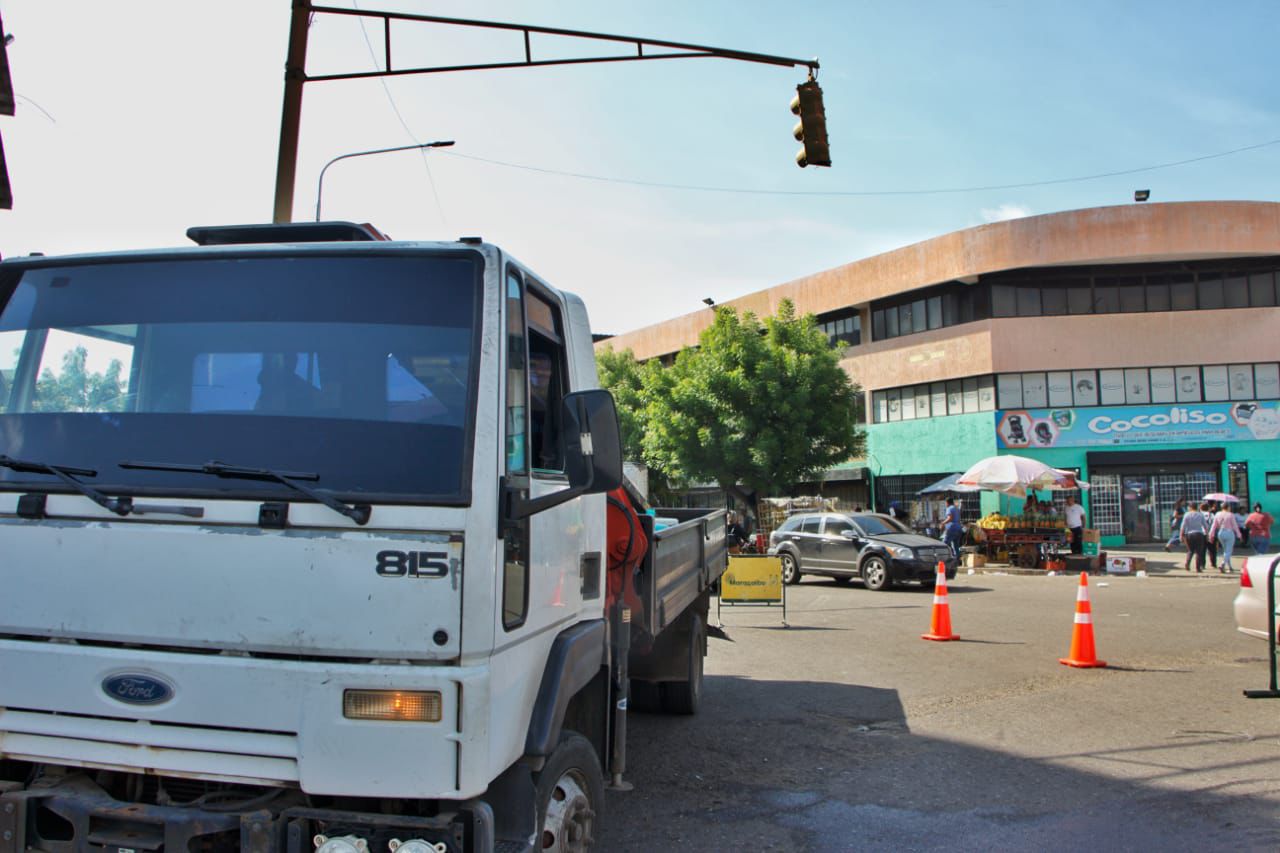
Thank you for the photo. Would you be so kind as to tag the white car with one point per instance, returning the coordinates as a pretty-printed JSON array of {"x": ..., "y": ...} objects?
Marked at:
[{"x": 1251, "y": 601}]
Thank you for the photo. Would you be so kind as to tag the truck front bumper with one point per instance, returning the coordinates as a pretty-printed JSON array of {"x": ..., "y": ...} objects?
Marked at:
[{"x": 73, "y": 814}]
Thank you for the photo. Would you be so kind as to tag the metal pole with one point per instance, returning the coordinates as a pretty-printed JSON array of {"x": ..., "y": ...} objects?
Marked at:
[
  {"x": 295, "y": 74},
  {"x": 443, "y": 143}
]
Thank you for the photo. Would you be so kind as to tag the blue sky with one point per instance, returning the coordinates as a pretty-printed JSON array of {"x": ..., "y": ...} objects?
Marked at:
[{"x": 138, "y": 119}]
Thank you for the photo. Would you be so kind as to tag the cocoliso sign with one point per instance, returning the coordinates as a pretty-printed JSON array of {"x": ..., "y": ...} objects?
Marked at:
[{"x": 1121, "y": 425}]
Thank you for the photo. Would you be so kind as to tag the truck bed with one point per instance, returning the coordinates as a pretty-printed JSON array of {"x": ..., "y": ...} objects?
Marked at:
[{"x": 681, "y": 563}]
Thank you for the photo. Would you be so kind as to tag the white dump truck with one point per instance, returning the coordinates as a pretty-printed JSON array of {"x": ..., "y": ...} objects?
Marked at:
[{"x": 303, "y": 548}]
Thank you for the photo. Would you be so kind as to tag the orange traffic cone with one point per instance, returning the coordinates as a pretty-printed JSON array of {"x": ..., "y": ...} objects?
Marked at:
[
  {"x": 1082, "y": 652},
  {"x": 940, "y": 624}
]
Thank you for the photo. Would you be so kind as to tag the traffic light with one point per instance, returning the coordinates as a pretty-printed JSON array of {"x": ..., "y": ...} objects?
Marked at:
[
  {"x": 812, "y": 128},
  {"x": 6, "y": 108}
]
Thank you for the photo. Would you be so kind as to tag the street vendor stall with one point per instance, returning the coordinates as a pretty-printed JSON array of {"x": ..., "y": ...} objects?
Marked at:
[
  {"x": 1022, "y": 540},
  {"x": 1028, "y": 540}
]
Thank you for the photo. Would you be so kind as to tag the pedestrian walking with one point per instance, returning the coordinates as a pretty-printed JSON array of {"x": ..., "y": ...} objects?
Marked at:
[
  {"x": 1075, "y": 523},
  {"x": 1175, "y": 523},
  {"x": 952, "y": 528},
  {"x": 1259, "y": 524},
  {"x": 1192, "y": 531},
  {"x": 1210, "y": 509},
  {"x": 1225, "y": 530}
]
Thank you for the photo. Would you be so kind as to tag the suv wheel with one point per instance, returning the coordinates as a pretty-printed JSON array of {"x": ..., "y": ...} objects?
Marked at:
[
  {"x": 790, "y": 568},
  {"x": 875, "y": 574}
]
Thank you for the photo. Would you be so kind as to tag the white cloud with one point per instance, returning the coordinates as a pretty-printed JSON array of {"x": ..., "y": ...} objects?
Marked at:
[{"x": 1005, "y": 211}]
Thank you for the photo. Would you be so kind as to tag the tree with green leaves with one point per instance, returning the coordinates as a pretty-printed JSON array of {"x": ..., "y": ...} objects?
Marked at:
[
  {"x": 75, "y": 389},
  {"x": 622, "y": 375},
  {"x": 757, "y": 407}
]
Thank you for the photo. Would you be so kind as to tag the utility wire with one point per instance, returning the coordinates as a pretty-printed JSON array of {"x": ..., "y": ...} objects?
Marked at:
[
  {"x": 387, "y": 90},
  {"x": 858, "y": 193}
]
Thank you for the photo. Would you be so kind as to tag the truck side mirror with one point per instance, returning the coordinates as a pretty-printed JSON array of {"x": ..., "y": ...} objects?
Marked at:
[
  {"x": 592, "y": 450},
  {"x": 593, "y": 445}
]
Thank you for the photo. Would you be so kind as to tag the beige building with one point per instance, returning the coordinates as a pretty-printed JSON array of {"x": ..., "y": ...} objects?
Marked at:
[{"x": 1118, "y": 313}]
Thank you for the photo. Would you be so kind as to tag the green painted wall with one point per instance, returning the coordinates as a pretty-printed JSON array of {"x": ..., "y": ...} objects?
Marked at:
[{"x": 933, "y": 445}]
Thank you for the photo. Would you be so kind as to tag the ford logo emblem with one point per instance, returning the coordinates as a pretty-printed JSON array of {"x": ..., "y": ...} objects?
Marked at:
[{"x": 136, "y": 688}]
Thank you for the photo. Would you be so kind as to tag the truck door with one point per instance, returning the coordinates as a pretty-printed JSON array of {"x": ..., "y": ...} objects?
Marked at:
[{"x": 541, "y": 575}]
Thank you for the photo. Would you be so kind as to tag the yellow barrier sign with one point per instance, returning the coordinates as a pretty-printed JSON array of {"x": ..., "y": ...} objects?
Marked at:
[{"x": 752, "y": 579}]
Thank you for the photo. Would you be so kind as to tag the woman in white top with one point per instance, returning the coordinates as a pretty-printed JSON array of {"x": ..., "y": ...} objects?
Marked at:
[{"x": 1225, "y": 531}]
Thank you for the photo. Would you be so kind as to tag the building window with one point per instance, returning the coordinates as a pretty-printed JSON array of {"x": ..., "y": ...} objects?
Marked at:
[
  {"x": 1238, "y": 482},
  {"x": 1009, "y": 389},
  {"x": 1210, "y": 291},
  {"x": 1157, "y": 293},
  {"x": 1266, "y": 381},
  {"x": 842, "y": 328},
  {"x": 1132, "y": 294},
  {"x": 1235, "y": 291},
  {"x": 1262, "y": 291},
  {"x": 1106, "y": 296},
  {"x": 1163, "y": 385},
  {"x": 1188, "y": 384},
  {"x": 1273, "y": 481},
  {"x": 1182, "y": 292},
  {"x": 1053, "y": 301},
  {"x": 935, "y": 312},
  {"x": 1004, "y": 301},
  {"x": 1085, "y": 385}
]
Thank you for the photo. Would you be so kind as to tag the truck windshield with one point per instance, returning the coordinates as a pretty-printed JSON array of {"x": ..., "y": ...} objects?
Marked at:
[{"x": 360, "y": 368}]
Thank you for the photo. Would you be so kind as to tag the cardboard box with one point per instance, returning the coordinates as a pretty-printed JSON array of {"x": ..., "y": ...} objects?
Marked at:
[
  {"x": 974, "y": 561},
  {"x": 1125, "y": 565},
  {"x": 1090, "y": 548},
  {"x": 1090, "y": 535}
]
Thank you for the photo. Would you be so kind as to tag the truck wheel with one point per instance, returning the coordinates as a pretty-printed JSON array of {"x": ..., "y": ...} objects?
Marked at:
[
  {"x": 570, "y": 796},
  {"x": 875, "y": 574},
  {"x": 790, "y": 568},
  {"x": 684, "y": 697}
]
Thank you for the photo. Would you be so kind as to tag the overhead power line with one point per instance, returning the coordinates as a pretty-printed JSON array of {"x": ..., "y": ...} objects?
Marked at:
[{"x": 857, "y": 193}]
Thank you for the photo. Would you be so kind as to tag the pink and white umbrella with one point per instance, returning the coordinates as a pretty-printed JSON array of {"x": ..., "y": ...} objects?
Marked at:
[
  {"x": 1221, "y": 497},
  {"x": 1013, "y": 475}
]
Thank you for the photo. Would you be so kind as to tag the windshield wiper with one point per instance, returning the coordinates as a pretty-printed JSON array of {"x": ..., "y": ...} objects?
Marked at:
[
  {"x": 120, "y": 506},
  {"x": 359, "y": 513}
]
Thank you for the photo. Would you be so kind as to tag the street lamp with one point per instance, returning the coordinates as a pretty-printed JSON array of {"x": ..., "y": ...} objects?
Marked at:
[{"x": 444, "y": 143}]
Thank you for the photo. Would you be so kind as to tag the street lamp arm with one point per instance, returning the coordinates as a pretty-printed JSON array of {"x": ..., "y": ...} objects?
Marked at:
[{"x": 443, "y": 143}]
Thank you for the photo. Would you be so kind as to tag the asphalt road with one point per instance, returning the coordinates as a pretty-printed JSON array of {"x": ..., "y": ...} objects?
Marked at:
[{"x": 846, "y": 731}]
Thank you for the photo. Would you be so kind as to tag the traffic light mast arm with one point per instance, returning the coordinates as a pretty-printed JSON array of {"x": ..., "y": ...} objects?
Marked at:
[
  {"x": 686, "y": 51},
  {"x": 296, "y": 74}
]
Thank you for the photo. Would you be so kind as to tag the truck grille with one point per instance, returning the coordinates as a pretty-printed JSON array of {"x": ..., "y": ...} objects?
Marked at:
[{"x": 206, "y": 752}]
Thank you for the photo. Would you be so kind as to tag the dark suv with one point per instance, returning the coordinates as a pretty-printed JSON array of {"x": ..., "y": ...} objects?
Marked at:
[{"x": 876, "y": 548}]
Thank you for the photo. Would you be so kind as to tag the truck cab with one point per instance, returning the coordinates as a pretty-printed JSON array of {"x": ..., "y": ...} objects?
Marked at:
[{"x": 302, "y": 535}]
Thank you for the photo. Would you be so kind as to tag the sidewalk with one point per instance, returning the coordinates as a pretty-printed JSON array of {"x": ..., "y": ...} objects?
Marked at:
[{"x": 1159, "y": 563}]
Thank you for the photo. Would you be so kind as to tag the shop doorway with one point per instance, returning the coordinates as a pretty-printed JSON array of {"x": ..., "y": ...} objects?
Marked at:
[{"x": 1138, "y": 505}]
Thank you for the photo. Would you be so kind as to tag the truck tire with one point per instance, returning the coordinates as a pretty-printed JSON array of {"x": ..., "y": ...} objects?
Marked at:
[
  {"x": 790, "y": 568},
  {"x": 570, "y": 796},
  {"x": 684, "y": 697}
]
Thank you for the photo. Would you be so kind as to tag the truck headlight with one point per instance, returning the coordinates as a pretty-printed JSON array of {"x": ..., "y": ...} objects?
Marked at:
[{"x": 412, "y": 706}]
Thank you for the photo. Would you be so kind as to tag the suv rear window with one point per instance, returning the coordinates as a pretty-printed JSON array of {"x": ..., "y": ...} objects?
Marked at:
[{"x": 812, "y": 523}]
